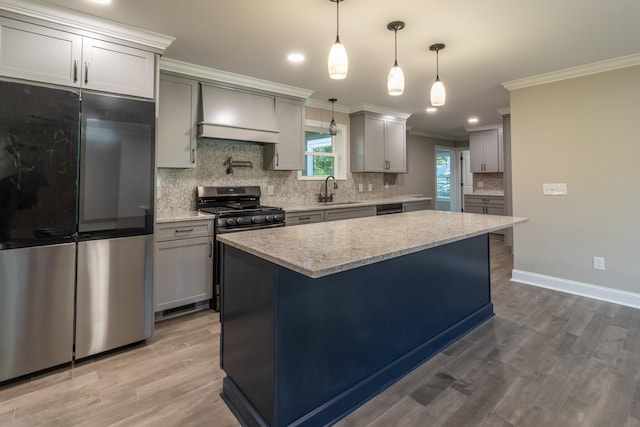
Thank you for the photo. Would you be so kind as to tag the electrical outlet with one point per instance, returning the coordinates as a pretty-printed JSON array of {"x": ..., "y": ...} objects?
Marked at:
[
  {"x": 554, "y": 189},
  {"x": 360, "y": 188},
  {"x": 370, "y": 187},
  {"x": 480, "y": 184},
  {"x": 598, "y": 263},
  {"x": 270, "y": 190}
]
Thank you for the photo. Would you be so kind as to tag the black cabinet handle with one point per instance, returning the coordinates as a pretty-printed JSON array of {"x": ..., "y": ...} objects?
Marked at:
[
  {"x": 185, "y": 231},
  {"x": 75, "y": 70},
  {"x": 86, "y": 73},
  {"x": 193, "y": 155}
]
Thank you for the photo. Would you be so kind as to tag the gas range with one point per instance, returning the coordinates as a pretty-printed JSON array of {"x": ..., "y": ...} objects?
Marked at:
[
  {"x": 235, "y": 209},
  {"x": 238, "y": 208}
]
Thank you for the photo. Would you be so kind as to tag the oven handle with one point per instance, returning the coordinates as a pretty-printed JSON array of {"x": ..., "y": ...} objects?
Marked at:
[{"x": 233, "y": 230}]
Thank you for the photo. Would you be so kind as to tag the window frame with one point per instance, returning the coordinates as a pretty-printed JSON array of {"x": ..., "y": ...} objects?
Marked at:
[{"x": 339, "y": 154}]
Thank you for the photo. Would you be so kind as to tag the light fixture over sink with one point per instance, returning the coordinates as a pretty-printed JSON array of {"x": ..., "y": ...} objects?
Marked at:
[
  {"x": 338, "y": 63},
  {"x": 333, "y": 127},
  {"x": 395, "y": 81},
  {"x": 438, "y": 94}
]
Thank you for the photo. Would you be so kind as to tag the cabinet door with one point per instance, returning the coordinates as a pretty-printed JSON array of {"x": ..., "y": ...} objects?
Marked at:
[
  {"x": 349, "y": 213},
  {"x": 476, "y": 148},
  {"x": 184, "y": 272},
  {"x": 32, "y": 52},
  {"x": 473, "y": 209},
  {"x": 416, "y": 206},
  {"x": 374, "y": 153},
  {"x": 177, "y": 105},
  {"x": 288, "y": 153},
  {"x": 114, "y": 68},
  {"x": 308, "y": 217},
  {"x": 491, "y": 157},
  {"x": 395, "y": 147}
]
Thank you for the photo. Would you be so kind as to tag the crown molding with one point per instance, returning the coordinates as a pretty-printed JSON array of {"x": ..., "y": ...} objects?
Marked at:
[
  {"x": 504, "y": 111},
  {"x": 483, "y": 127},
  {"x": 326, "y": 105},
  {"x": 377, "y": 109},
  {"x": 193, "y": 70},
  {"x": 573, "y": 72},
  {"x": 433, "y": 135},
  {"x": 67, "y": 17}
]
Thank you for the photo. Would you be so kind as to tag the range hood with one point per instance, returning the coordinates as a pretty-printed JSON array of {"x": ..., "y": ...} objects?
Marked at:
[{"x": 237, "y": 115}]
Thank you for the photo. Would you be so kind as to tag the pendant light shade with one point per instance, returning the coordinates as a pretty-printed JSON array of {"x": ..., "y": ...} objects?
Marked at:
[
  {"x": 438, "y": 93},
  {"x": 333, "y": 127},
  {"x": 338, "y": 63},
  {"x": 395, "y": 81}
]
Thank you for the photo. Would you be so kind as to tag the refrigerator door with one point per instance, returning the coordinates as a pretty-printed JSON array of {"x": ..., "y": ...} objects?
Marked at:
[
  {"x": 38, "y": 165},
  {"x": 114, "y": 293},
  {"x": 36, "y": 308},
  {"x": 116, "y": 167}
]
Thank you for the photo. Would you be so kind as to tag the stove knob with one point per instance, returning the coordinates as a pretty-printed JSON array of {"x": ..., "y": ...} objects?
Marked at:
[
  {"x": 276, "y": 218},
  {"x": 230, "y": 221},
  {"x": 239, "y": 221},
  {"x": 255, "y": 219},
  {"x": 267, "y": 218}
]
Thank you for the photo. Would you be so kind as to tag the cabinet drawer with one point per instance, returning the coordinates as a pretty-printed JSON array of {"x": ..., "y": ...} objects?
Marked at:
[
  {"x": 422, "y": 205},
  {"x": 183, "y": 230},
  {"x": 304, "y": 217},
  {"x": 485, "y": 200},
  {"x": 349, "y": 213}
]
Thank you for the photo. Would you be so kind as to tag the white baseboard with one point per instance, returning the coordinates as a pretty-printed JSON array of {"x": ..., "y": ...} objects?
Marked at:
[{"x": 615, "y": 296}]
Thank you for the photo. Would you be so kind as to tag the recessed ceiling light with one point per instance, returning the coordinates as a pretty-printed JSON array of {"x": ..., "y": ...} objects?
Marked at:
[
  {"x": 473, "y": 120},
  {"x": 295, "y": 57},
  {"x": 101, "y": 1},
  {"x": 431, "y": 109}
]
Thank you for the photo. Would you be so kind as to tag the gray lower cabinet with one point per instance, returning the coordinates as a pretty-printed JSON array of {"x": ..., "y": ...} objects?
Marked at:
[
  {"x": 487, "y": 205},
  {"x": 349, "y": 213},
  {"x": 307, "y": 217},
  {"x": 421, "y": 205},
  {"x": 183, "y": 264}
]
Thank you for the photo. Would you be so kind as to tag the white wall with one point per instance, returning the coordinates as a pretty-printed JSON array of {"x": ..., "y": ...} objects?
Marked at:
[{"x": 584, "y": 132}]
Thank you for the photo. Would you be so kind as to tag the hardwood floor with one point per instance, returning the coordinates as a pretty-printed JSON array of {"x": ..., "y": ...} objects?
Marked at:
[{"x": 545, "y": 359}]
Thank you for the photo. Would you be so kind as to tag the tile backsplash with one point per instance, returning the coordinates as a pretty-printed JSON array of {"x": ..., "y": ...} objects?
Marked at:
[
  {"x": 488, "y": 182},
  {"x": 175, "y": 190}
]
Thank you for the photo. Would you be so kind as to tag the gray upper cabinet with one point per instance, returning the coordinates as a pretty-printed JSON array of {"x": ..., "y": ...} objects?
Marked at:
[
  {"x": 177, "y": 105},
  {"x": 485, "y": 151},
  {"x": 38, "y": 53},
  {"x": 378, "y": 144},
  {"x": 288, "y": 153},
  {"x": 110, "y": 67}
]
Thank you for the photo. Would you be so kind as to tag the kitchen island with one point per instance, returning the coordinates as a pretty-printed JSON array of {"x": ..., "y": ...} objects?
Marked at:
[{"x": 319, "y": 318}]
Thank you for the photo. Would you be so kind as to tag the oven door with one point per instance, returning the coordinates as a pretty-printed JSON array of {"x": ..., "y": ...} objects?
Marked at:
[{"x": 215, "y": 302}]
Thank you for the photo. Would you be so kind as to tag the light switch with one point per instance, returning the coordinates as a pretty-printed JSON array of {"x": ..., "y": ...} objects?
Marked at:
[
  {"x": 360, "y": 188},
  {"x": 370, "y": 187},
  {"x": 270, "y": 190},
  {"x": 554, "y": 189}
]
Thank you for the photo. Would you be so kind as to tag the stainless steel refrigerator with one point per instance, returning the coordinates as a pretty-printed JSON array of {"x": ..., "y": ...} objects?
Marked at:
[{"x": 76, "y": 224}]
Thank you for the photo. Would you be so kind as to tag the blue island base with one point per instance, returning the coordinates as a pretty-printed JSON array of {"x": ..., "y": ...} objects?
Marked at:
[{"x": 306, "y": 352}]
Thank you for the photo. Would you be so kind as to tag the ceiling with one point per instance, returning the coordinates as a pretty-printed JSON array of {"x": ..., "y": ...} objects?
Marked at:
[{"x": 487, "y": 43}]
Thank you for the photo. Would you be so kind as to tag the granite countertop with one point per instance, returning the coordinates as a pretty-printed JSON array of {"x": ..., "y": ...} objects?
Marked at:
[
  {"x": 339, "y": 204},
  {"x": 324, "y": 248},
  {"x": 486, "y": 193},
  {"x": 187, "y": 215}
]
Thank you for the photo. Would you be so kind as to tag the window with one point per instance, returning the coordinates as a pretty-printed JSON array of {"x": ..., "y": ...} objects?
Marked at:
[
  {"x": 324, "y": 155},
  {"x": 443, "y": 174}
]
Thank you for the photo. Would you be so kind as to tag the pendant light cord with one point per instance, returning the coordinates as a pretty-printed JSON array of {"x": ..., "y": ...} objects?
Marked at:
[
  {"x": 395, "y": 59},
  {"x": 338, "y": 21},
  {"x": 437, "y": 64}
]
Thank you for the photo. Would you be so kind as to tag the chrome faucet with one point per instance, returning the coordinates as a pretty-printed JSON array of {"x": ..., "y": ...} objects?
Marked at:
[{"x": 328, "y": 197}]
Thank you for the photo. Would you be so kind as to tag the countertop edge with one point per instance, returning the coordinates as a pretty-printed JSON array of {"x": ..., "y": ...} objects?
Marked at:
[
  {"x": 321, "y": 272},
  {"x": 357, "y": 203}
]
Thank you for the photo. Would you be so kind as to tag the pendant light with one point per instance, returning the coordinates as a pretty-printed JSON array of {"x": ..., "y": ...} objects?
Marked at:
[
  {"x": 333, "y": 127},
  {"x": 395, "y": 81},
  {"x": 438, "y": 94},
  {"x": 338, "y": 62}
]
